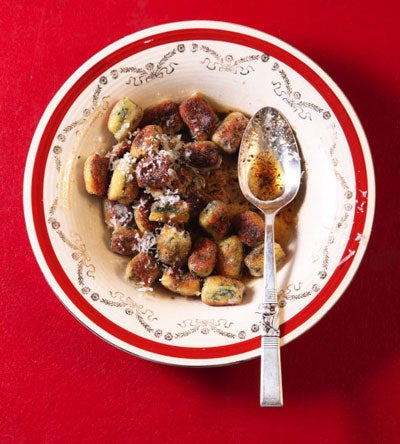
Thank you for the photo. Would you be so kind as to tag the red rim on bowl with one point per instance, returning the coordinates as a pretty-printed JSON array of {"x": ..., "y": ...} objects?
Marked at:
[{"x": 41, "y": 146}]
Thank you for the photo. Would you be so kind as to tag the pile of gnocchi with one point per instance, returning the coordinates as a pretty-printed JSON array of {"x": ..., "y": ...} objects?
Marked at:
[{"x": 172, "y": 201}]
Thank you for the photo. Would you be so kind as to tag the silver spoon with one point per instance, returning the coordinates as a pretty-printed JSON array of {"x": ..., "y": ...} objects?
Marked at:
[{"x": 269, "y": 176}]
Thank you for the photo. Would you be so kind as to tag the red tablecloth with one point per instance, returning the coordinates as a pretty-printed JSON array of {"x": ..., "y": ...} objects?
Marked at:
[{"x": 59, "y": 383}]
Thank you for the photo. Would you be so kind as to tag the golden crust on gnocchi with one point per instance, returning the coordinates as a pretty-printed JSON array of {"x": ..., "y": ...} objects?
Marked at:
[
  {"x": 123, "y": 186},
  {"x": 124, "y": 118},
  {"x": 250, "y": 228},
  {"x": 203, "y": 257},
  {"x": 215, "y": 219},
  {"x": 198, "y": 115},
  {"x": 95, "y": 174},
  {"x": 166, "y": 115},
  {"x": 146, "y": 142},
  {"x": 222, "y": 290},
  {"x": 173, "y": 245},
  {"x": 143, "y": 270},
  {"x": 230, "y": 257},
  {"x": 229, "y": 133},
  {"x": 180, "y": 282}
]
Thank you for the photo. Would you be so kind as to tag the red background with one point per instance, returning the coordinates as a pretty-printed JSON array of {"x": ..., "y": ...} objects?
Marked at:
[{"x": 59, "y": 383}]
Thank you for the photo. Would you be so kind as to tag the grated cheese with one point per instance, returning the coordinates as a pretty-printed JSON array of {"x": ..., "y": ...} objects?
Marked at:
[
  {"x": 172, "y": 147},
  {"x": 146, "y": 241},
  {"x": 168, "y": 197},
  {"x": 121, "y": 216}
]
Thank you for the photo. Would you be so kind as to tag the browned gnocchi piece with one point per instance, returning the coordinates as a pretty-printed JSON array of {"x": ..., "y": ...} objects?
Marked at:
[
  {"x": 146, "y": 142},
  {"x": 285, "y": 222},
  {"x": 250, "y": 228},
  {"x": 124, "y": 118},
  {"x": 254, "y": 261},
  {"x": 221, "y": 290},
  {"x": 229, "y": 133},
  {"x": 279, "y": 253},
  {"x": 214, "y": 218},
  {"x": 166, "y": 115},
  {"x": 203, "y": 154},
  {"x": 116, "y": 214},
  {"x": 230, "y": 257},
  {"x": 198, "y": 116},
  {"x": 141, "y": 214},
  {"x": 123, "y": 186},
  {"x": 108, "y": 212},
  {"x": 125, "y": 241},
  {"x": 173, "y": 245},
  {"x": 181, "y": 282},
  {"x": 202, "y": 259},
  {"x": 95, "y": 174},
  {"x": 154, "y": 172},
  {"x": 142, "y": 270},
  {"x": 170, "y": 212},
  {"x": 119, "y": 150}
]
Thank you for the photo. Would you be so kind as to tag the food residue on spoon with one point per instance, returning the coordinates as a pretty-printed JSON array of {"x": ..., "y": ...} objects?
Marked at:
[{"x": 265, "y": 178}]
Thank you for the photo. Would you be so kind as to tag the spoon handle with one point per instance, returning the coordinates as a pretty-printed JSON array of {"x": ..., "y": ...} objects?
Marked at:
[{"x": 271, "y": 378}]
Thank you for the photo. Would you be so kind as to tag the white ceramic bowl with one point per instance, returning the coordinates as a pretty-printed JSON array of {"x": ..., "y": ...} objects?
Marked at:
[{"x": 239, "y": 68}]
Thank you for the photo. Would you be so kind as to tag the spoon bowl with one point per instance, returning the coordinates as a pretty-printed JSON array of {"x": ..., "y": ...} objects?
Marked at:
[
  {"x": 269, "y": 141},
  {"x": 269, "y": 174}
]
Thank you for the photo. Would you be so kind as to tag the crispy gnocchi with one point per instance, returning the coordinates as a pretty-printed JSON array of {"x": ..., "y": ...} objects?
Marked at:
[{"x": 172, "y": 201}]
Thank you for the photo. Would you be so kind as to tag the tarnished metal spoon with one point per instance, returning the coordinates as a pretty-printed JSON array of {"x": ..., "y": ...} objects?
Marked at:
[{"x": 269, "y": 176}]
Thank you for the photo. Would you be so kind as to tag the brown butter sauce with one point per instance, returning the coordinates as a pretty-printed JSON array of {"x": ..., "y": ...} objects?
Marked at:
[{"x": 265, "y": 176}]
